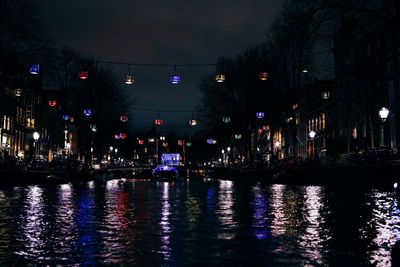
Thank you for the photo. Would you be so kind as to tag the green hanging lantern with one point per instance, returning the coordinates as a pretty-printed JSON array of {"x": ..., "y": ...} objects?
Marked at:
[{"x": 226, "y": 119}]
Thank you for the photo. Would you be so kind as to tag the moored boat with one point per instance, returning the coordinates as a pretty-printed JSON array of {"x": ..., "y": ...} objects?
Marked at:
[{"x": 165, "y": 173}]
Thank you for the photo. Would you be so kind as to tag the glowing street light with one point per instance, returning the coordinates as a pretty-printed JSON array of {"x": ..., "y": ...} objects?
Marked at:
[
  {"x": 36, "y": 136},
  {"x": 111, "y": 148},
  {"x": 383, "y": 114},
  {"x": 312, "y": 134}
]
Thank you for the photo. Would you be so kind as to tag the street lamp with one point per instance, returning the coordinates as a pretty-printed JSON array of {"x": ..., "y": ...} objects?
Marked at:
[
  {"x": 277, "y": 144},
  {"x": 111, "y": 155},
  {"x": 36, "y": 137},
  {"x": 68, "y": 148},
  {"x": 383, "y": 114},
  {"x": 312, "y": 134}
]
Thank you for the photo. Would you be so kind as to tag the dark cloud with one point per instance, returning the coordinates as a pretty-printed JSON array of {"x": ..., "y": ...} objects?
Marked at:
[{"x": 172, "y": 32}]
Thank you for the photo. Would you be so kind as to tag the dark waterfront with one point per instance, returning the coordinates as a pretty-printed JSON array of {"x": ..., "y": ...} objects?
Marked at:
[{"x": 197, "y": 222}]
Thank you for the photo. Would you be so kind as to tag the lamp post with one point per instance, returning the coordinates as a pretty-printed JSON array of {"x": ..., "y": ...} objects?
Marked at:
[
  {"x": 312, "y": 134},
  {"x": 36, "y": 137},
  {"x": 68, "y": 148},
  {"x": 383, "y": 114},
  {"x": 228, "y": 149},
  {"x": 111, "y": 155}
]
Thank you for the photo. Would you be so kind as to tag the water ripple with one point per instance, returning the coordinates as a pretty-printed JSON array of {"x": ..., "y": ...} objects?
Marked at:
[{"x": 125, "y": 222}]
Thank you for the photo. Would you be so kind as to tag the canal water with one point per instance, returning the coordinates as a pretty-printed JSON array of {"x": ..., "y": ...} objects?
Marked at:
[{"x": 196, "y": 222}]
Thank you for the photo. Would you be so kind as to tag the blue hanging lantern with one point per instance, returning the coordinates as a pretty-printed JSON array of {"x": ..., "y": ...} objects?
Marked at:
[
  {"x": 87, "y": 112},
  {"x": 209, "y": 141},
  {"x": 260, "y": 115},
  {"x": 175, "y": 79},
  {"x": 66, "y": 117},
  {"x": 34, "y": 69}
]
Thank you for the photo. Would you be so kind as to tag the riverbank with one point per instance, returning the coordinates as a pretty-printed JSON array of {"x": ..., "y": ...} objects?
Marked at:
[
  {"x": 383, "y": 176},
  {"x": 17, "y": 177}
]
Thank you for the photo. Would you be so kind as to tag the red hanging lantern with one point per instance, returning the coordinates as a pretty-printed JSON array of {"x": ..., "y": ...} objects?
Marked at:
[
  {"x": 260, "y": 131},
  {"x": 266, "y": 127},
  {"x": 122, "y": 135},
  {"x": 83, "y": 75},
  {"x": 158, "y": 122},
  {"x": 52, "y": 103},
  {"x": 180, "y": 142},
  {"x": 123, "y": 118},
  {"x": 141, "y": 142}
]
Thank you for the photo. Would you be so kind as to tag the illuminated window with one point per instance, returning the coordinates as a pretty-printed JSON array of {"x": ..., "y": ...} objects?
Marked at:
[
  {"x": 30, "y": 123},
  {"x": 354, "y": 133},
  {"x": 323, "y": 121},
  {"x": 8, "y": 123}
]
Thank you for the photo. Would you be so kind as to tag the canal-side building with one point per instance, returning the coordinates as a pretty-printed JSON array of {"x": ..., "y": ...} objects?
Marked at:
[
  {"x": 26, "y": 108},
  {"x": 367, "y": 61}
]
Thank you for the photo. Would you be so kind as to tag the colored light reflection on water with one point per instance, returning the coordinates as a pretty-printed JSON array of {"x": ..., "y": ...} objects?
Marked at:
[{"x": 193, "y": 222}]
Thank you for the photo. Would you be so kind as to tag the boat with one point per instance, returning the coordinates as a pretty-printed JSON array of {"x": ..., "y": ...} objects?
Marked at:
[{"x": 165, "y": 173}]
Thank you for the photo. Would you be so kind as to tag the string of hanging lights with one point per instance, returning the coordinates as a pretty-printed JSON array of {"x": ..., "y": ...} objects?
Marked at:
[{"x": 174, "y": 79}]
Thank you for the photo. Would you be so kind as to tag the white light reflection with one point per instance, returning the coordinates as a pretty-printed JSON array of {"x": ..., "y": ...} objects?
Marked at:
[
  {"x": 278, "y": 218},
  {"x": 111, "y": 184},
  {"x": 91, "y": 184},
  {"x": 65, "y": 218},
  {"x": 386, "y": 221},
  {"x": 33, "y": 226},
  {"x": 165, "y": 222},
  {"x": 225, "y": 210},
  {"x": 311, "y": 240}
]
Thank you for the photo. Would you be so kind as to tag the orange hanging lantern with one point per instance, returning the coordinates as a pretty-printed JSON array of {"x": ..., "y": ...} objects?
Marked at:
[
  {"x": 192, "y": 122},
  {"x": 263, "y": 76},
  {"x": 220, "y": 78}
]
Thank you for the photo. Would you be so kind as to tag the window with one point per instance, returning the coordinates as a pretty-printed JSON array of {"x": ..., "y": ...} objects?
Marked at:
[{"x": 8, "y": 123}]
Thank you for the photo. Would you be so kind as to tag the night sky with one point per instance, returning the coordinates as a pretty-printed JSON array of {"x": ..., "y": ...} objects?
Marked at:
[{"x": 162, "y": 32}]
